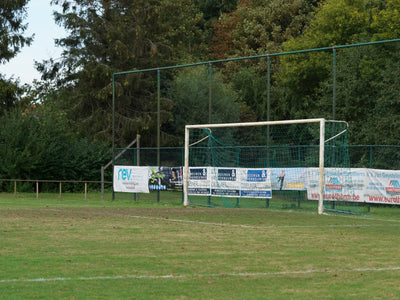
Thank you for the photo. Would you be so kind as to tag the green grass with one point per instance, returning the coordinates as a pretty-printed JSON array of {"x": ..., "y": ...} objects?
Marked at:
[{"x": 125, "y": 249}]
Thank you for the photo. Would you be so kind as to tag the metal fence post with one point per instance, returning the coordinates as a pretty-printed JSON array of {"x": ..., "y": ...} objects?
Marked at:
[
  {"x": 158, "y": 125},
  {"x": 370, "y": 156}
]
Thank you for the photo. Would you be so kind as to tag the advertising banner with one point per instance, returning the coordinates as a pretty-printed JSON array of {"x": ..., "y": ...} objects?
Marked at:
[
  {"x": 289, "y": 179},
  {"x": 255, "y": 183},
  {"x": 342, "y": 184},
  {"x": 131, "y": 179},
  {"x": 230, "y": 182},
  {"x": 199, "y": 181},
  {"x": 382, "y": 186},
  {"x": 225, "y": 182}
]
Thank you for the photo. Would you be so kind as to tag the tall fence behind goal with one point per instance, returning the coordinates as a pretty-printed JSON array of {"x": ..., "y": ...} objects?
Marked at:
[{"x": 287, "y": 164}]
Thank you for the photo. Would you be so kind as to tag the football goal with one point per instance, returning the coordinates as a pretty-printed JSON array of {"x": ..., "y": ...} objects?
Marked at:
[{"x": 302, "y": 164}]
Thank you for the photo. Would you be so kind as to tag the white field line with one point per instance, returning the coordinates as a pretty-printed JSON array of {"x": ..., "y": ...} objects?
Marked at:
[
  {"x": 189, "y": 276},
  {"x": 370, "y": 219},
  {"x": 166, "y": 219},
  {"x": 253, "y": 226},
  {"x": 395, "y": 223}
]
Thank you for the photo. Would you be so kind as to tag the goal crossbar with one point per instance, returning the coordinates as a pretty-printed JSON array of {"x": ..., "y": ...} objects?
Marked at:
[{"x": 248, "y": 124}]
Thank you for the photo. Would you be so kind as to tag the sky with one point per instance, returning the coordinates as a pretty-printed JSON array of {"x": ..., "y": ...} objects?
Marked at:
[{"x": 41, "y": 23}]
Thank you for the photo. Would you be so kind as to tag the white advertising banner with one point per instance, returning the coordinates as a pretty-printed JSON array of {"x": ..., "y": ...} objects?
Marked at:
[
  {"x": 131, "y": 179},
  {"x": 355, "y": 184},
  {"x": 199, "y": 181},
  {"x": 382, "y": 186},
  {"x": 255, "y": 183},
  {"x": 230, "y": 182},
  {"x": 225, "y": 182},
  {"x": 342, "y": 184}
]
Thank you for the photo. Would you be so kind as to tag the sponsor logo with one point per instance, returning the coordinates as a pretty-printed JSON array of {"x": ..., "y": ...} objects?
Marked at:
[
  {"x": 256, "y": 175},
  {"x": 198, "y": 174},
  {"x": 156, "y": 176},
  {"x": 156, "y": 187},
  {"x": 333, "y": 185},
  {"x": 295, "y": 185},
  {"x": 393, "y": 188},
  {"x": 227, "y": 174},
  {"x": 125, "y": 174}
]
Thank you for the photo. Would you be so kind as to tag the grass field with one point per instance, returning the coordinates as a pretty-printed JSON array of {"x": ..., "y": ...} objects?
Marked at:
[{"x": 76, "y": 249}]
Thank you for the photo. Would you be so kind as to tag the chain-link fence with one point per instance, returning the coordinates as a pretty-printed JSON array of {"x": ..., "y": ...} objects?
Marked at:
[{"x": 385, "y": 157}]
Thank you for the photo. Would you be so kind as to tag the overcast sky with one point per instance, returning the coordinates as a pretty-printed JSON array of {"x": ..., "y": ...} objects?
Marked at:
[{"x": 41, "y": 23}]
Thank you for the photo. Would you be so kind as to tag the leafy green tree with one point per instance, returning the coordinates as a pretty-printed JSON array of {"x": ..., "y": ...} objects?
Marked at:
[
  {"x": 301, "y": 76},
  {"x": 36, "y": 144},
  {"x": 363, "y": 75},
  {"x": 368, "y": 93},
  {"x": 260, "y": 26},
  {"x": 10, "y": 94},
  {"x": 386, "y": 20},
  {"x": 213, "y": 9},
  {"x": 12, "y": 39},
  {"x": 12, "y": 28},
  {"x": 190, "y": 93},
  {"x": 108, "y": 36},
  {"x": 251, "y": 87},
  {"x": 257, "y": 27}
]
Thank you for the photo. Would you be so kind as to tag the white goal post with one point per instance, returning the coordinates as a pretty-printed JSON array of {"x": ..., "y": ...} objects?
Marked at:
[{"x": 189, "y": 143}]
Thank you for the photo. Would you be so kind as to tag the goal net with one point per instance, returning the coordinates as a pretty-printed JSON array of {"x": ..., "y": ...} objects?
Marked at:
[{"x": 301, "y": 164}]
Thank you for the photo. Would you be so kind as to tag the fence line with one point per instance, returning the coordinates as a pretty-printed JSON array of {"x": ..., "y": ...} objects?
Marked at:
[
  {"x": 60, "y": 183},
  {"x": 367, "y": 156}
]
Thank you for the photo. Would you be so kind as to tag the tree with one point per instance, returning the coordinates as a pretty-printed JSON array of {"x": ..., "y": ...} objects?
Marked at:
[
  {"x": 368, "y": 93},
  {"x": 10, "y": 94},
  {"x": 213, "y": 9},
  {"x": 190, "y": 94},
  {"x": 257, "y": 27},
  {"x": 108, "y": 36},
  {"x": 37, "y": 144},
  {"x": 301, "y": 76},
  {"x": 12, "y": 39},
  {"x": 364, "y": 76},
  {"x": 386, "y": 22},
  {"x": 260, "y": 26}
]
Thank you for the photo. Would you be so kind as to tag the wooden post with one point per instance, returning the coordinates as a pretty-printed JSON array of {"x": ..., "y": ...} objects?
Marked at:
[
  {"x": 102, "y": 183},
  {"x": 85, "y": 191},
  {"x": 60, "y": 189},
  {"x": 37, "y": 189},
  {"x": 15, "y": 188}
]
